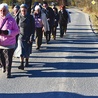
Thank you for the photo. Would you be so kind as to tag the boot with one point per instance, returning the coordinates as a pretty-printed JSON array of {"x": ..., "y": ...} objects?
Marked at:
[
  {"x": 8, "y": 72},
  {"x": 26, "y": 63},
  {"x": 21, "y": 66},
  {"x": 9, "y": 75}
]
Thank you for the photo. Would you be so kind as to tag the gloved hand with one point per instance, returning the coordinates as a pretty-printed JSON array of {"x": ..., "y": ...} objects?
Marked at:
[
  {"x": 6, "y": 32},
  {"x": 30, "y": 42},
  {"x": 0, "y": 31}
]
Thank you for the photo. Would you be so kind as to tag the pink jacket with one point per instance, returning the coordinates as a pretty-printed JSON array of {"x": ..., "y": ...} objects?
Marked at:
[{"x": 11, "y": 25}]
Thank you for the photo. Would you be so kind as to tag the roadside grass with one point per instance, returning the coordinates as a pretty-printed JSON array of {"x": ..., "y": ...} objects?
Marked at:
[{"x": 94, "y": 17}]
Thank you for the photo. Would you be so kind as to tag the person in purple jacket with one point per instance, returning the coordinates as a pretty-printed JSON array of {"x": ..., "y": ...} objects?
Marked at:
[{"x": 8, "y": 32}]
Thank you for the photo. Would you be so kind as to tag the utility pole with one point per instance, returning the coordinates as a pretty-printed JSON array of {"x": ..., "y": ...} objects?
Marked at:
[{"x": 29, "y": 3}]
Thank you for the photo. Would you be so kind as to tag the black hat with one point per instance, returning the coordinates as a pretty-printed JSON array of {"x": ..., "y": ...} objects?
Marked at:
[
  {"x": 17, "y": 6},
  {"x": 24, "y": 6}
]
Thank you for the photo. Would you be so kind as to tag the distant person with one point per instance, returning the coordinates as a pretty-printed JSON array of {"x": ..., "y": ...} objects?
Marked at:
[
  {"x": 15, "y": 14},
  {"x": 8, "y": 32},
  {"x": 54, "y": 7},
  {"x": 26, "y": 36},
  {"x": 64, "y": 19},
  {"x": 50, "y": 17},
  {"x": 56, "y": 19}
]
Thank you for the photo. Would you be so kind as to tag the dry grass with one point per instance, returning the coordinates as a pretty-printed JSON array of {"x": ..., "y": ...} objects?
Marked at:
[{"x": 93, "y": 17}]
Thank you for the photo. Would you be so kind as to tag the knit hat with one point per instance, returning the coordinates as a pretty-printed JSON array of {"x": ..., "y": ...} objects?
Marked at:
[
  {"x": 17, "y": 6},
  {"x": 24, "y": 6}
]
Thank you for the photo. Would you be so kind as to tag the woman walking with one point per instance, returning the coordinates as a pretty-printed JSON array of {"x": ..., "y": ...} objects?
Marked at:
[
  {"x": 56, "y": 19},
  {"x": 26, "y": 36},
  {"x": 64, "y": 19},
  {"x": 41, "y": 25},
  {"x": 8, "y": 32}
]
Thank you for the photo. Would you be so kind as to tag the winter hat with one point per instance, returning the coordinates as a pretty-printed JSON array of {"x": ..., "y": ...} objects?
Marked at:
[
  {"x": 24, "y": 6},
  {"x": 17, "y": 6},
  {"x": 37, "y": 7}
]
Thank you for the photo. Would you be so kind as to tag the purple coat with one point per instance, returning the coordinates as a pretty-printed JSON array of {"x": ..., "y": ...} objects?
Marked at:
[{"x": 11, "y": 25}]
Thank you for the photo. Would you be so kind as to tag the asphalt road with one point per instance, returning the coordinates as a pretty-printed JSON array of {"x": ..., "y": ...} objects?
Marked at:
[{"x": 65, "y": 68}]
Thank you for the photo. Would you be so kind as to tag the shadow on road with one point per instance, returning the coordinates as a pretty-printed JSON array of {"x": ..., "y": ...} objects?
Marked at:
[
  {"x": 46, "y": 95},
  {"x": 59, "y": 70},
  {"x": 50, "y": 69}
]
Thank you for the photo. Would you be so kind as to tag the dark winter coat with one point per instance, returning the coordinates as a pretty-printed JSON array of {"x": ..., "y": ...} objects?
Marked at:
[
  {"x": 56, "y": 19},
  {"x": 27, "y": 27},
  {"x": 50, "y": 15},
  {"x": 63, "y": 17}
]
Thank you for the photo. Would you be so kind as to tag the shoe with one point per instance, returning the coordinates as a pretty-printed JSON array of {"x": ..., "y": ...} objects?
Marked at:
[
  {"x": 9, "y": 76},
  {"x": 37, "y": 48},
  {"x": 61, "y": 36},
  {"x": 3, "y": 70},
  {"x": 21, "y": 67}
]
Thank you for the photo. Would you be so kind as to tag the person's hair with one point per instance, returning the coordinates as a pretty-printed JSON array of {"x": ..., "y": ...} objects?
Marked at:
[
  {"x": 44, "y": 2},
  {"x": 17, "y": 6},
  {"x": 4, "y": 5},
  {"x": 24, "y": 6},
  {"x": 37, "y": 7},
  {"x": 62, "y": 7}
]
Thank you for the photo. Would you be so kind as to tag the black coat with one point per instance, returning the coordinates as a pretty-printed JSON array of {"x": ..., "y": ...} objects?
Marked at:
[
  {"x": 63, "y": 17},
  {"x": 56, "y": 19},
  {"x": 50, "y": 15}
]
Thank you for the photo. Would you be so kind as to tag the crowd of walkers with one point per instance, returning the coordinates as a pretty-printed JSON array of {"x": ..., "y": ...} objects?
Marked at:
[{"x": 18, "y": 30}]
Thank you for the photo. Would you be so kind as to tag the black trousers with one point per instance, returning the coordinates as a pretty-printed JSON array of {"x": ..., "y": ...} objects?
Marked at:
[
  {"x": 63, "y": 29},
  {"x": 39, "y": 34},
  {"x": 48, "y": 33},
  {"x": 6, "y": 56},
  {"x": 54, "y": 31}
]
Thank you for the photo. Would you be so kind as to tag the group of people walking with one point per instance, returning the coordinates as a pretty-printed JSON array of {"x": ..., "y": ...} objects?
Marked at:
[{"x": 19, "y": 29}]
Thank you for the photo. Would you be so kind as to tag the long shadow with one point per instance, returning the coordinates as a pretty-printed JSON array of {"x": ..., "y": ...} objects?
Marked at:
[
  {"x": 74, "y": 41},
  {"x": 46, "y": 95},
  {"x": 79, "y": 29},
  {"x": 68, "y": 57},
  {"x": 70, "y": 49},
  {"x": 60, "y": 70}
]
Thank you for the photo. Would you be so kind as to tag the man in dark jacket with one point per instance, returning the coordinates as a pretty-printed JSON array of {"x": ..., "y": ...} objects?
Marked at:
[
  {"x": 63, "y": 20},
  {"x": 50, "y": 17}
]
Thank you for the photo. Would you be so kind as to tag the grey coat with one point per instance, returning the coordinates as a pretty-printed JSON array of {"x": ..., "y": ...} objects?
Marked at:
[{"x": 27, "y": 27}]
